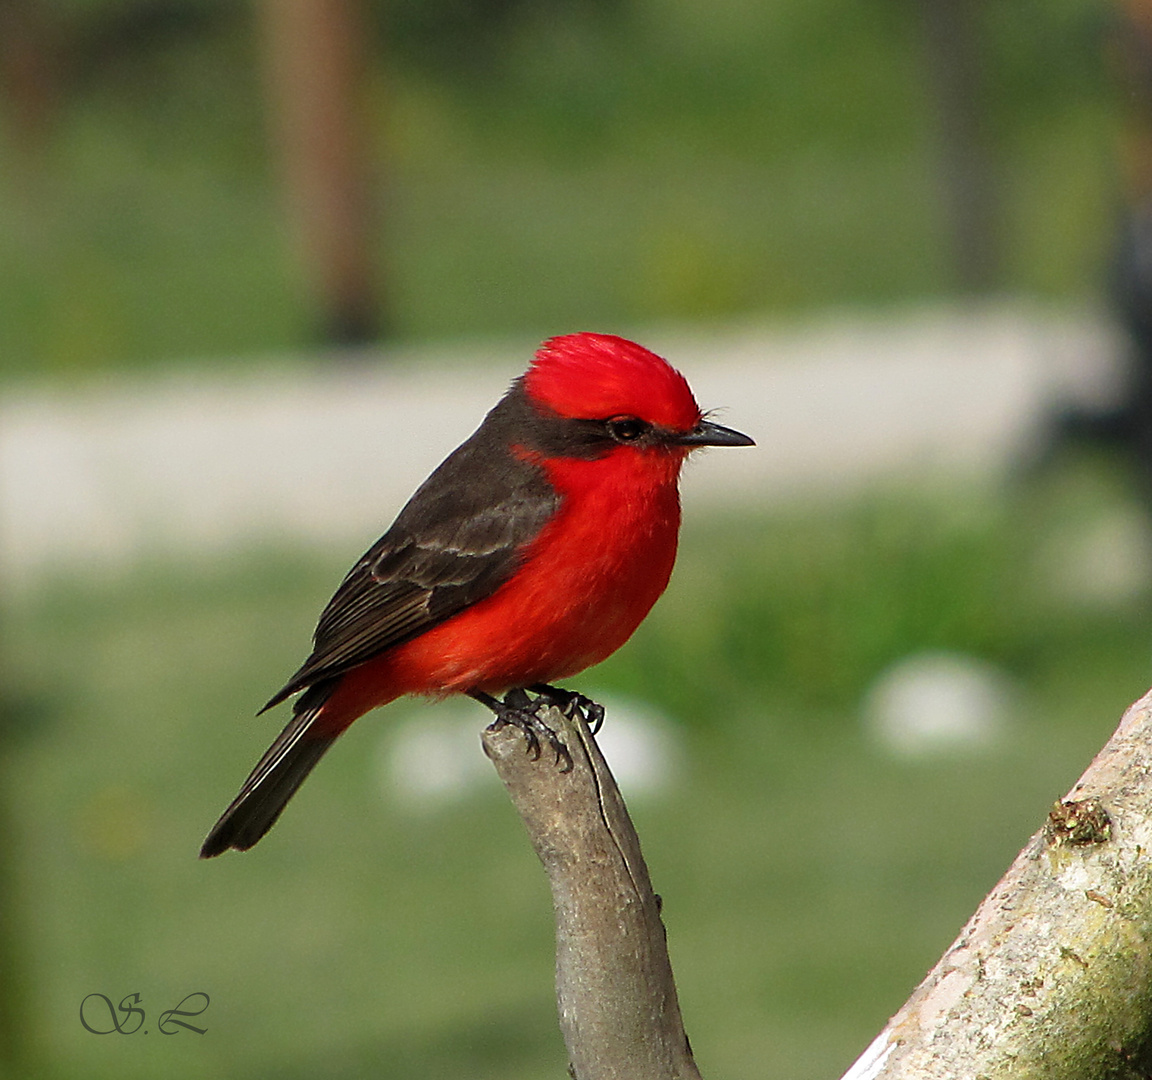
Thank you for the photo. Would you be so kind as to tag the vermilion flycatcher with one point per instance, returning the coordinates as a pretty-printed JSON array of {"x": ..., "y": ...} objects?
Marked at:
[{"x": 531, "y": 553}]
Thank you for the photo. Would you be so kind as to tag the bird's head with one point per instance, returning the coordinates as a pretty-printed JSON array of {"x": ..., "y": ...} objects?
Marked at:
[{"x": 640, "y": 397}]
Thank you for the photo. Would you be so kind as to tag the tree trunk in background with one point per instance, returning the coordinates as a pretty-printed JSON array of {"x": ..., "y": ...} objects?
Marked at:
[
  {"x": 951, "y": 38},
  {"x": 315, "y": 55},
  {"x": 29, "y": 83}
]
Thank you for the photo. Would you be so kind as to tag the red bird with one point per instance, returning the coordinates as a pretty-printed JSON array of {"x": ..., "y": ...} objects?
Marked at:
[{"x": 531, "y": 553}]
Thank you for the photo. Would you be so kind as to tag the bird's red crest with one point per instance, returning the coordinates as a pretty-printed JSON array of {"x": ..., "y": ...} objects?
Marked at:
[{"x": 596, "y": 376}]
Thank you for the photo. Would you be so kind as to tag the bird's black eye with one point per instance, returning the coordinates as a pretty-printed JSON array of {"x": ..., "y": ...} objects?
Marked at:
[{"x": 626, "y": 428}]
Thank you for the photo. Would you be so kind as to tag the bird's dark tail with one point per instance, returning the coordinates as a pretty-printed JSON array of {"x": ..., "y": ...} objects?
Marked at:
[{"x": 275, "y": 779}]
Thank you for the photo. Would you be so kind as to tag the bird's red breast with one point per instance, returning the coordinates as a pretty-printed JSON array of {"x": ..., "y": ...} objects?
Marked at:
[{"x": 585, "y": 583}]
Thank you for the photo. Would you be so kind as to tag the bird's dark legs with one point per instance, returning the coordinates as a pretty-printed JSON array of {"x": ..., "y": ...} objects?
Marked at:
[
  {"x": 519, "y": 710},
  {"x": 569, "y": 700}
]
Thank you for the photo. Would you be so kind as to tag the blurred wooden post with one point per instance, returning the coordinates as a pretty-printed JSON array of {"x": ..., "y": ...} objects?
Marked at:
[
  {"x": 29, "y": 83},
  {"x": 951, "y": 36},
  {"x": 316, "y": 61},
  {"x": 1131, "y": 56}
]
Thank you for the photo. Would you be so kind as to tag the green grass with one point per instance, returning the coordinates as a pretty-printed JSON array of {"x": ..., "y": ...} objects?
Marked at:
[
  {"x": 586, "y": 165},
  {"x": 809, "y": 879}
]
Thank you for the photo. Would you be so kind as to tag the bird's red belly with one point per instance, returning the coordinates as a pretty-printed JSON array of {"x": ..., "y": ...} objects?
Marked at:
[{"x": 586, "y": 584}]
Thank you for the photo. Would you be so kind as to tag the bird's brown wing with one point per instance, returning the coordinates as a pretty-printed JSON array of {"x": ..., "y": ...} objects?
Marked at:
[{"x": 458, "y": 539}]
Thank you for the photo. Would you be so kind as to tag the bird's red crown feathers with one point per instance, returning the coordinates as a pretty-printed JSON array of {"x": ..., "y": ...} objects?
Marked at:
[{"x": 597, "y": 376}]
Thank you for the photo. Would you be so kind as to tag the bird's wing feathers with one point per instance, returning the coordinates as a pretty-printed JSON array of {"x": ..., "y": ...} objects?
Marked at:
[{"x": 459, "y": 538}]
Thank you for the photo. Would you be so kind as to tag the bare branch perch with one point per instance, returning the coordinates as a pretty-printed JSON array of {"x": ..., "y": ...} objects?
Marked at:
[
  {"x": 617, "y": 1001},
  {"x": 1052, "y": 977}
]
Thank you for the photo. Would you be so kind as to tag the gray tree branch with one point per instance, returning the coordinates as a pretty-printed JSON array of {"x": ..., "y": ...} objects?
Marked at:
[
  {"x": 619, "y": 1014},
  {"x": 1051, "y": 979}
]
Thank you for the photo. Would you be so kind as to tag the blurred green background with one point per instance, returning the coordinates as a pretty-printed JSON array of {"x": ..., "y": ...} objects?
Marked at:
[
  {"x": 540, "y": 167},
  {"x": 549, "y": 163}
]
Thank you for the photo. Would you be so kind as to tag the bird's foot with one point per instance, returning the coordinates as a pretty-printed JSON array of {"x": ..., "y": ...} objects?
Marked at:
[
  {"x": 569, "y": 701},
  {"x": 522, "y": 713}
]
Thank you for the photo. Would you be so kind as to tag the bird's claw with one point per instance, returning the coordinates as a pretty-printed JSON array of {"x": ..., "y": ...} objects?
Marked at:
[
  {"x": 518, "y": 710},
  {"x": 569, "y": 702},
  {"x": 521, "y": 711},
  {"x": 593, "y": 713}
]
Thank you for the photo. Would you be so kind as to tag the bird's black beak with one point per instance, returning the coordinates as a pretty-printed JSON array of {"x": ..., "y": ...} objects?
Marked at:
[{"x": 706, "y": 433}]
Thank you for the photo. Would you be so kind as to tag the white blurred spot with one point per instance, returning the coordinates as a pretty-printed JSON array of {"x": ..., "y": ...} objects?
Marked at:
[
  {"x": 640, "y": 744},
  {"x": 433, "y": 757},
  {"x": 1106, "y": 561},
  {"x": 934, "y": 704}
]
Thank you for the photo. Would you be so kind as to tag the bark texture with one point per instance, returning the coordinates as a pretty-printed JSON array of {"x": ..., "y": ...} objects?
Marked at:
[
  {"x": 619, "y": 1014},
  {"x": 1052, "y": 977}
]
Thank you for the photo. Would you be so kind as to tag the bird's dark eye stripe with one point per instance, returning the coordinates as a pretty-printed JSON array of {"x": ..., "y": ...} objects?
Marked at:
[{"x": 626, "y": 428}]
